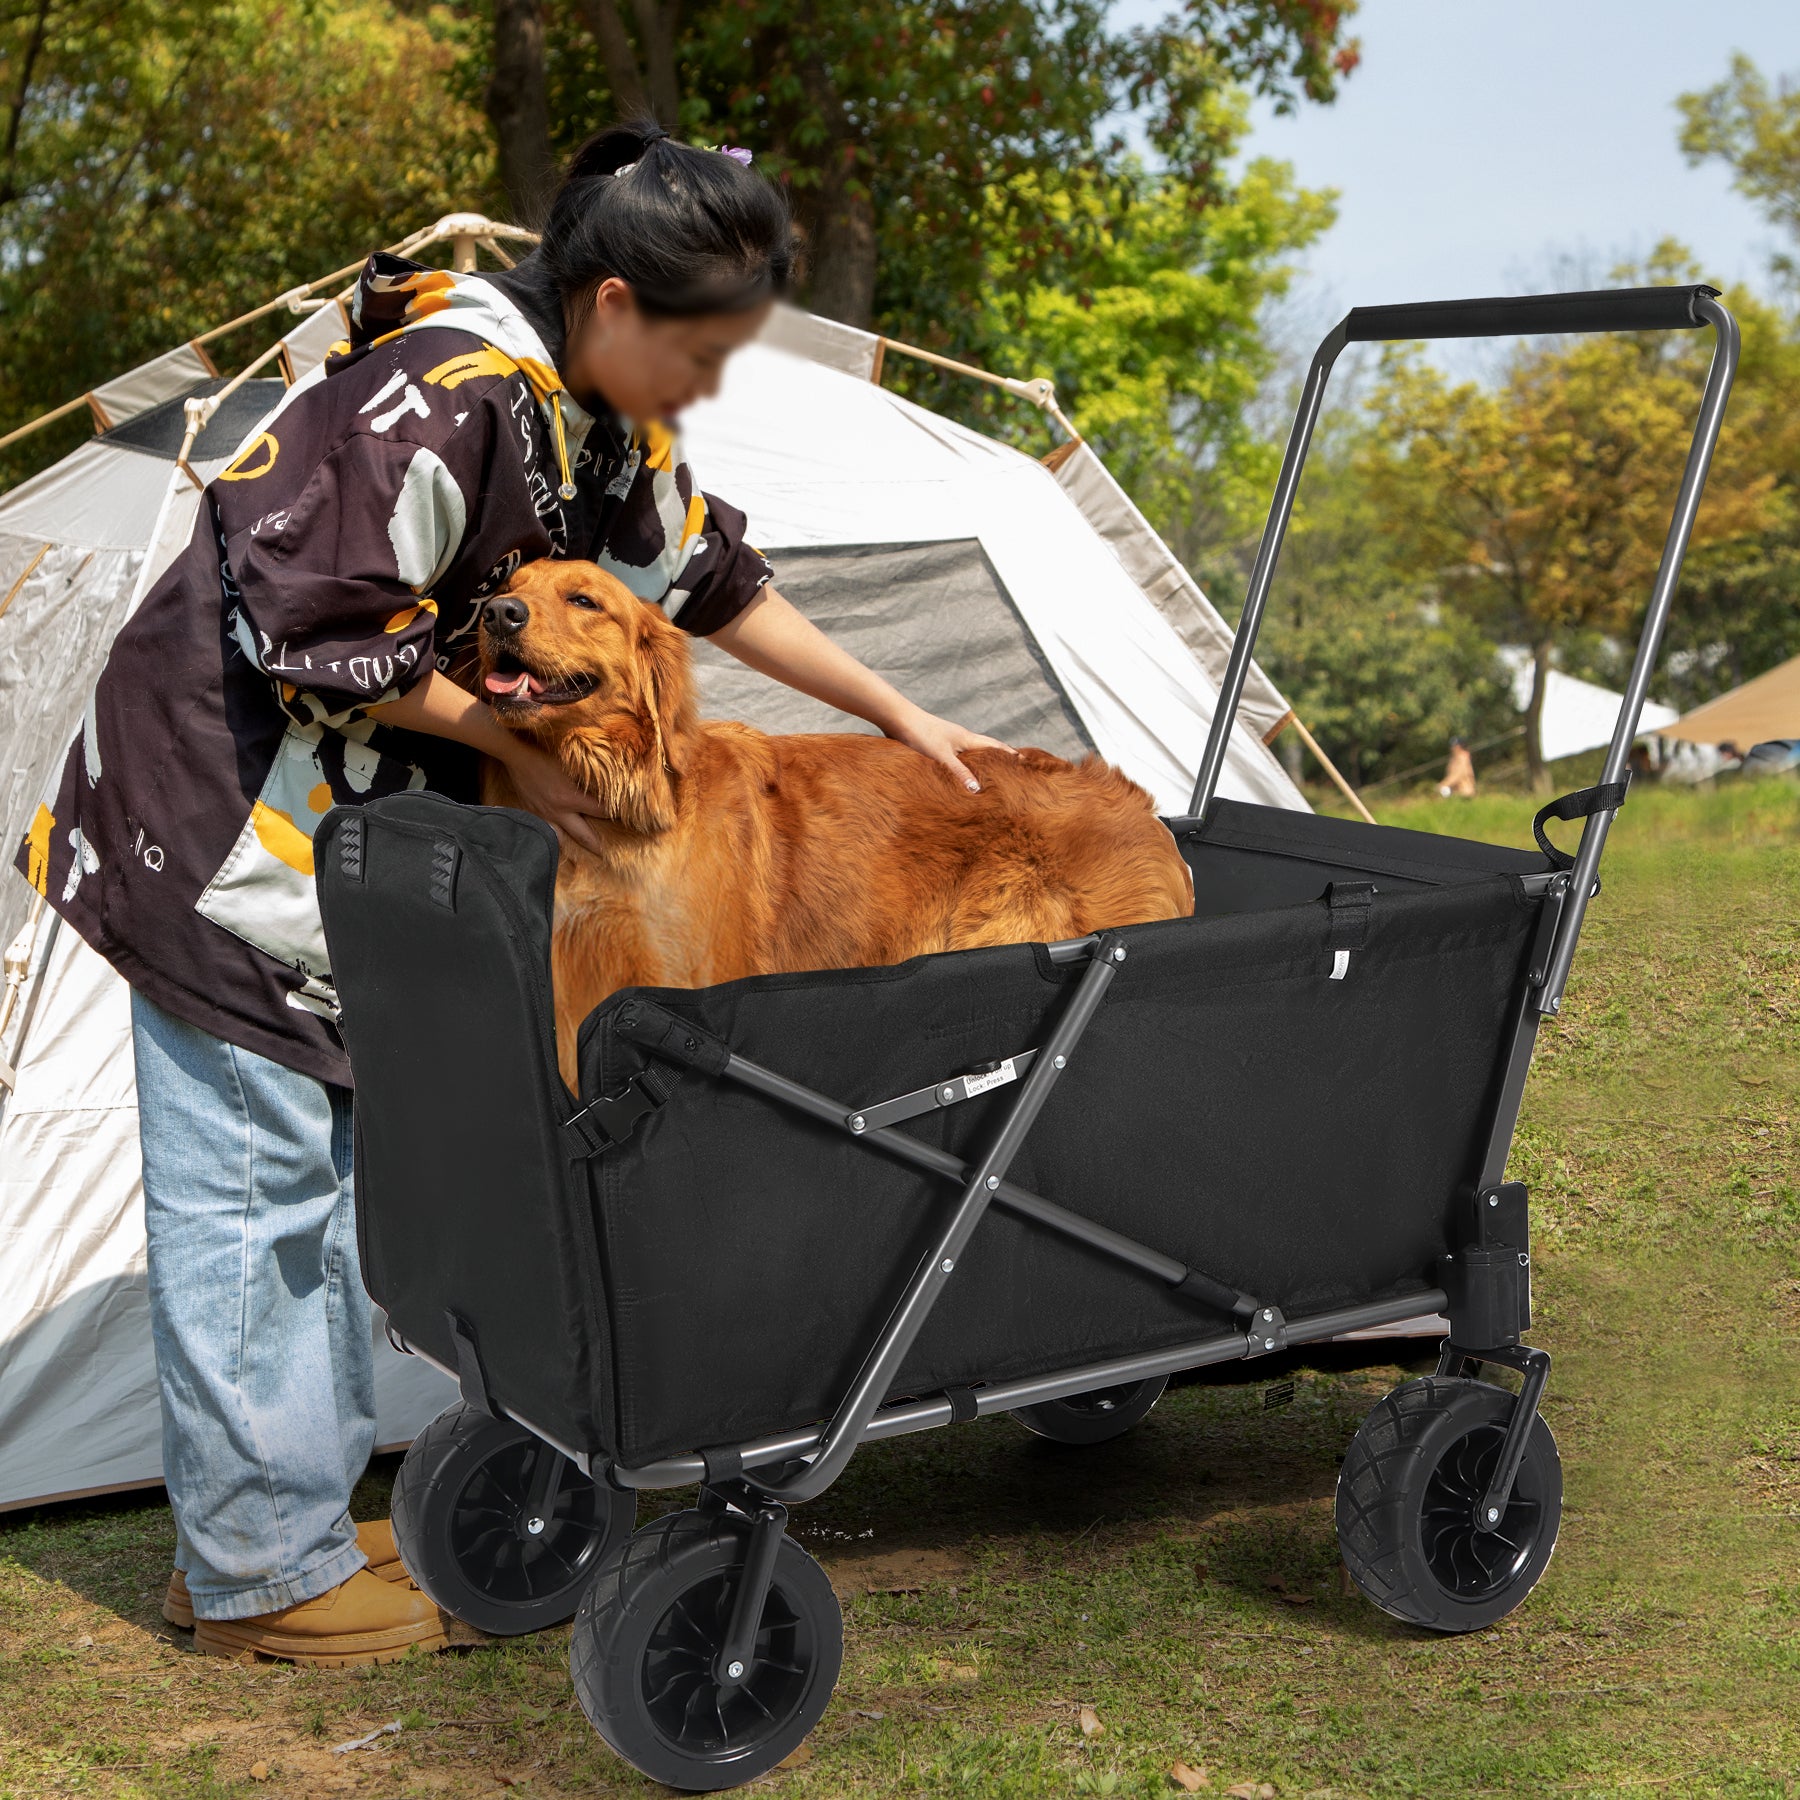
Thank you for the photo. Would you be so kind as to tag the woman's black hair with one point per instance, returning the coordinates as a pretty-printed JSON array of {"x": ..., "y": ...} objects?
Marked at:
[{"x": 691, "y": 231}]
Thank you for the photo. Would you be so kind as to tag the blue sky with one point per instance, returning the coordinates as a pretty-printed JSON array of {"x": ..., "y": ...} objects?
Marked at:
[{"x": 1485, "y": 144}]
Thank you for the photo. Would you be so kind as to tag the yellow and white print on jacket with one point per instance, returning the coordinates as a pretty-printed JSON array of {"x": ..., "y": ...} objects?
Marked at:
[
  {"x": 263, "y": 892},
  {"x": 682, "y": 515}
]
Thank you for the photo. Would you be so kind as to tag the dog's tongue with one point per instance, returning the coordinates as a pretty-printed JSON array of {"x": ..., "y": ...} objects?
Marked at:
[{"x": 522, "y": 686}]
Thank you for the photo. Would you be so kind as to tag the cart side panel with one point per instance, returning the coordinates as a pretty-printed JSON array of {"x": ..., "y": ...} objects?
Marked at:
[
  {"x": 467, "y": 1201},
  {"x": 1299, "y": 1136},
  {"x": 1248, "y": 858}
]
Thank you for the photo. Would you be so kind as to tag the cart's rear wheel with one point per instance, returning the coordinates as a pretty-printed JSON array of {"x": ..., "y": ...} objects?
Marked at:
[
  {"x": 1095, "y": 1417},
  {"x": 477, "y": 1534},
  {"x": 1407, "y": 1497},
  {"x": 649, "y": 1631}
]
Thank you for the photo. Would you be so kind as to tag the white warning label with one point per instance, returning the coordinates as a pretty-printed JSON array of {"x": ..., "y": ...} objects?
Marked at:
[{"x": 979, "y": 1084}]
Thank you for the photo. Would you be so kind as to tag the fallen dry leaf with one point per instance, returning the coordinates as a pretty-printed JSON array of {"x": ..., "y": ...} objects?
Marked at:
[
  {"x": 1251, "y": 1790},
  {"x": 796, "y": 1759},
  {"x": 259, "y": 1771},
  {"x": 1189, "y": 1780},
  {"x": 1090, "y": 1722},
  {"x": 962, "y": 1672},
  {"x": 1288, "y": 1599}
]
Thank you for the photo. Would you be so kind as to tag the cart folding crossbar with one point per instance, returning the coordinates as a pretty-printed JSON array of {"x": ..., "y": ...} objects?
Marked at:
[{"x": 793, "y": 1214}]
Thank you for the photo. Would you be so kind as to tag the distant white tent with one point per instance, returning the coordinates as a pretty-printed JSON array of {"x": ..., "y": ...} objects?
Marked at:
[
  {"x": 1578, "y": 715},
  {"x": 1031, "y": 600}
]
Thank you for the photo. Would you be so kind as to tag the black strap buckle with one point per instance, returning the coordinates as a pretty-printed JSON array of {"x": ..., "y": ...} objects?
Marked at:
[
  {"x": 1609, "y": 796},
  {"x": 611, "y": 1118}
]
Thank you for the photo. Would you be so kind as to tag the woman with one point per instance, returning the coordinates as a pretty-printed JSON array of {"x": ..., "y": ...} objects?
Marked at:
[{"x": 294, "y": 659}]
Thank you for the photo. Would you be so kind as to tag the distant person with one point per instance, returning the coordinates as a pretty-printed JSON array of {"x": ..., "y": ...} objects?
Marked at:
[
  {"x": 1459, "y": 773},
  {"x": 1774, "y": 756},
  {"x": 1641, "y": 762}
]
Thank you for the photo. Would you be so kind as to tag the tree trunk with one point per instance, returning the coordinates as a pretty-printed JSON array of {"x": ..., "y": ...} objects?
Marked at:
[
  {"x": 518, "y": 108},
  {"x": 641, "y": 87},
  {"x": 658, "y": 27},
  {"x": 9, "y": 187},
  {"x": 840, "y": 253},
  {"x": 1535, "y": 770}
]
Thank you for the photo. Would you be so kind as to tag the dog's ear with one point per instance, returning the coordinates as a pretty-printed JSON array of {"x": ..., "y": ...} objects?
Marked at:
[
  {"x": 668, "y": 677},
  {"x": 631, "y": 760}
]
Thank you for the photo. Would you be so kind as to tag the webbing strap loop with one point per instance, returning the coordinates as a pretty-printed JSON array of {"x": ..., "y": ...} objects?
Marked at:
[
  {"x": 1350, "y": 902},
  {"x": 963, "y": 1404},
  {"x": 1609, "y": 796}
]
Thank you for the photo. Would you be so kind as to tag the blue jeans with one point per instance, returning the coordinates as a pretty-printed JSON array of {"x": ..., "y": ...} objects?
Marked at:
[{"x": 263, "y": 1331}]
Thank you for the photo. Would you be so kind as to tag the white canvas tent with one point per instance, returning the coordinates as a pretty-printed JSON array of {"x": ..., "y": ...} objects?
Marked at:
[
  {"x": 1578, "y": 715},
  {"x": 1029, "y": 600}
]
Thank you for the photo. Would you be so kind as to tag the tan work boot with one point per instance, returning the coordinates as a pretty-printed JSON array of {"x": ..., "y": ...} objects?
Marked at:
[
  {"x": 374, "y": 1538},
  {"x": 362, "y": 1620}
]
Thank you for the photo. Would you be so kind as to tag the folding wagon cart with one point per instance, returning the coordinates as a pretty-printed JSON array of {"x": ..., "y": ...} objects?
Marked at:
[{"x": 790, "y": 1215}]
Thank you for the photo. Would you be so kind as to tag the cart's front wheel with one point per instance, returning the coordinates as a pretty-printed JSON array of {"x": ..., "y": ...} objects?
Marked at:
[
  {"x": 1407, "y": 1499},
  {"x": 1092, "y": 1418},
  {"x": 497, "y": 1527},
  {"x": 646, "y": 1644}
]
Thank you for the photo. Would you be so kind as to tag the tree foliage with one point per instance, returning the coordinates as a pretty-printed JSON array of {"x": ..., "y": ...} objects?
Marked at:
[
  {"x": 1754, "y": 128},
  {"x": 1355, "y": 633},
  {"x": 170, "y": 163},
  {"x": 1150, "y": 325},
  {"x": 892, "y": 124},
  {"x": 1542, "y": 503}
]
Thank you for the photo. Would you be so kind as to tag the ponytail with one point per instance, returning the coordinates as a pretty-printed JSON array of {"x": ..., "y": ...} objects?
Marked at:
[{"x": 690, "y": 231}]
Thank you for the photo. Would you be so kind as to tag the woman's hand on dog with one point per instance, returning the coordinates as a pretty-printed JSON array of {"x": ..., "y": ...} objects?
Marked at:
[
  {"x": 943, "y": 741},
  {"x": 544, "y": 789}
]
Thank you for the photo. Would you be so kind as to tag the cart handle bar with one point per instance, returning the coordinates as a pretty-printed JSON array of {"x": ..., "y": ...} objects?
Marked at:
[
  {"x": 1625, "y": 309},
  {"x": 1606, "y": 309}
]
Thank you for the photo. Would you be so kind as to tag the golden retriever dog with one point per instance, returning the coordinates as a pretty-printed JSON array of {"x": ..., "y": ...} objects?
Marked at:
[{"x": 728, "y": 852}]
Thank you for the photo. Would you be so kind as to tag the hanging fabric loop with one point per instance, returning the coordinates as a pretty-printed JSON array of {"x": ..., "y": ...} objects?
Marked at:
[{"x": 1609, "y": 796}]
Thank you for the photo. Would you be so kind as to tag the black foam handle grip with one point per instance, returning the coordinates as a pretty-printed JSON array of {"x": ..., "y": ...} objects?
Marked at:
[{"x": 1609, "y": 309}]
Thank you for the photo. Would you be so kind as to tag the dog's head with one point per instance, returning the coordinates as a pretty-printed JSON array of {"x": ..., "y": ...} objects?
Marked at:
[{"x": 573, "y": 659}]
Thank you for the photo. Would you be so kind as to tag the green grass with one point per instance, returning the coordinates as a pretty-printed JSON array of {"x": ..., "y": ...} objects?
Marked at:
[{"x": 1184, "y": 1582}]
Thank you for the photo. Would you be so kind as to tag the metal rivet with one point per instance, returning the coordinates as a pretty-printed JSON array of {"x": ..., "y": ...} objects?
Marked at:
[
  {"x": 1493, "y": 1199},
  {"x": 948, "y": 1093},
  {"x": 1267, "y": 1314},
  {"x": 1493, "y": 1514},
  {"x": 857, "y": 1123},
  {"x": 534, "y": 1526},
  {"x": 948, "y": 1265},
  {"x": 1059, "y": 1062},
  {"x": 993, "y": 1182},
  {"x": 735, "y": 1670},
  {"x": 1119, "y": 954},
  {"x": 1268, "y": 1343}
]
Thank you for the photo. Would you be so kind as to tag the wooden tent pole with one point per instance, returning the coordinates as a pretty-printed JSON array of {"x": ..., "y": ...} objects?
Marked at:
[
  {"x": 431, "y": 234},
  {"x": 1325, "y": 763},
  {"x": 1040, "y": 390},
  {"x": 31, "y": 425}
]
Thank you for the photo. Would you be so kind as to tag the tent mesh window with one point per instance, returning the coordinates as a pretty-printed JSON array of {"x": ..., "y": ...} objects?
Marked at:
[{"x": 934, "y": 618}]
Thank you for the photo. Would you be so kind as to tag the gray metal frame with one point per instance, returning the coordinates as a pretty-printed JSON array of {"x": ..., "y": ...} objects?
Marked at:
[
  {"x": 926, "y": 1415},
  {"x": 1629, "y": 310}
]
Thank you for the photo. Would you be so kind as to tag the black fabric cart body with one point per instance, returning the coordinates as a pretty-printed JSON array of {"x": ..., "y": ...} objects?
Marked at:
[{"x": 793, "y": 1213}]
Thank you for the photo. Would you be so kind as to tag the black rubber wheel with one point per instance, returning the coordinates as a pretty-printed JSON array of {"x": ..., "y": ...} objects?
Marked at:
[
  {"x": 650, "y": 1627},
  {"x": 1407, "y": 1497},
  {"x": 1093, "y": 1418},
  {"x": 467, "y": 1536}
]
